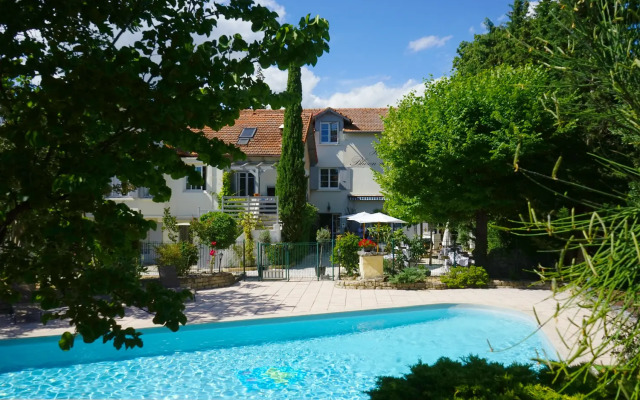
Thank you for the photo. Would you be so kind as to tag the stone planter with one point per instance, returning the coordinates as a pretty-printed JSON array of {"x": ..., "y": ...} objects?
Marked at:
[{"x": 371, "y": 266}]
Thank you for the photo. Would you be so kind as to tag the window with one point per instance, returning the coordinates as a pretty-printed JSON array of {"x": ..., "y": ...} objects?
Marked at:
[
  {"x": 143, "y": 193},
  {"x": 246, "y": 135},
  {"x": 329, "y": 178},
  {"x": 245, "y": 184},
  {"x": 202, "y": 170},
  {"x": 329, "y": 132}
]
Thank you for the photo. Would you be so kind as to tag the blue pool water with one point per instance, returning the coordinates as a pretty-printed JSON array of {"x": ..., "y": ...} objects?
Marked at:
[{"x": 334, "y": 356}]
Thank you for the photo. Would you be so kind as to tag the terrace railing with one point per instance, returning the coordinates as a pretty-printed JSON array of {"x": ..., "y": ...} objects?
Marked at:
[{"x": 263, "y": 208}]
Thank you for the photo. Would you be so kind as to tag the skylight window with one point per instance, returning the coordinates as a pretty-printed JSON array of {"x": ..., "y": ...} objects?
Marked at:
[
  {"x": 248, "y": 132},
  {"x": 246, "y": 135}
]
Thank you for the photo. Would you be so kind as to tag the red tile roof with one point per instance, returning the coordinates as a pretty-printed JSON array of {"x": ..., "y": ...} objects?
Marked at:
[
  {"x": 362, "y": 119},
  {"x": 268, "y": 137}
]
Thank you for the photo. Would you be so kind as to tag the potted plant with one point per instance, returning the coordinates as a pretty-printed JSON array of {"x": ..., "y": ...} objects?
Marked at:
[
  {"x": 323, "y": 236},
  {"x": 367, "y": 245}
]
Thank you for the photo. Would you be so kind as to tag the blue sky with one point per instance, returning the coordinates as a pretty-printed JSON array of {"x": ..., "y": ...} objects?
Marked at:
[{"x": 379, "y": 50}]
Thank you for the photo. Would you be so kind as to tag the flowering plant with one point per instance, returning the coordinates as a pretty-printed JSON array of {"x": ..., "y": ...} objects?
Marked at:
[
  {"x": 366, "y": 243},
  {"x": 212, "y": 253}
]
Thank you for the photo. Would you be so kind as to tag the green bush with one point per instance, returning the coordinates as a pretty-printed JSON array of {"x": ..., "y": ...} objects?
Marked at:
[
  {"x": 181, "y": 255},
  {"x": 464, "y": 277},
  {"x": 309, "y": 219},
  {"x": 418, "y": 248},
  {"x": 345, "y": 253},
  {"x": 216, "y": 227},
  {"x": 275, "y": 253},
  {"x": 264, "y": 237},
  {"x": 477, "y": 379},
  {"x": 410, "y": 275}
]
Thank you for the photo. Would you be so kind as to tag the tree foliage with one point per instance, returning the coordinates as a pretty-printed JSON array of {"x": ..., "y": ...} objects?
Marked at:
[
  {"x": 216, "y": 226},
  {"x": 464, "y": 134},
  {"x": 95, "y": 90},
  {"x": 598, "y": 267},
  {"x": 291, "y": 184}
]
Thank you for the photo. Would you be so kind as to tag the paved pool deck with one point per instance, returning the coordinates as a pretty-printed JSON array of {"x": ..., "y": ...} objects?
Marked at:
[{"x": 254, "y": 299}]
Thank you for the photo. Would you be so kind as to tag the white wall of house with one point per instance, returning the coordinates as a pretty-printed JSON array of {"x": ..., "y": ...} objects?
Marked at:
[
  {"x": 186, "y": 201},
  {"x": 355, "y": 158}
]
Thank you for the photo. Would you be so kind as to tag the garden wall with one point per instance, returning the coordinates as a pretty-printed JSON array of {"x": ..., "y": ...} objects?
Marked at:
[{"x": 209, "y": 281}]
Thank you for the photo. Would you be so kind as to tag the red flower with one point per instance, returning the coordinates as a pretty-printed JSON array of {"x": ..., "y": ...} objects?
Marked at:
[
  {"x": 213, "y": 244},
  {"x": 212, "y": 252},
  {"x": 366, "y": 243}
]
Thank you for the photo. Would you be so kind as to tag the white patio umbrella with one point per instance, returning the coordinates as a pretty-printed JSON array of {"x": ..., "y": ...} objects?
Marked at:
[
  {"x": 360, "y": 218},
  {"x": 386, "y": 219},
  {"x": 377, "y": 218}
]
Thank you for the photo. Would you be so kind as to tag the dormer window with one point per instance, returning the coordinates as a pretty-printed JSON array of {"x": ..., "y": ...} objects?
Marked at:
[
  {"x": 246, "y": 135},
  {"x": 329, "y": 132}
]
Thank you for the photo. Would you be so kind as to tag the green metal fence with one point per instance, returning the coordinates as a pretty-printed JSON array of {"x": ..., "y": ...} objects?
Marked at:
[
  {"x": 270, "y": 261},
  {"x": 295, "y": 261}
]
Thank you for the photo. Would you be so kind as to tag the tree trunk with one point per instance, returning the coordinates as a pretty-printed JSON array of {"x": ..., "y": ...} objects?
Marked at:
[{"x": 480, "y": 251}]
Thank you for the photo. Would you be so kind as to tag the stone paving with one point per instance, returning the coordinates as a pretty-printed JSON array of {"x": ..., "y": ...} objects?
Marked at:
[{"x": 252, "y": 299}]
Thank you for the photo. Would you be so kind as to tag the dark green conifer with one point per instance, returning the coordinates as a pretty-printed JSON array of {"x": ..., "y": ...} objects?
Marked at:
[{"x": 291, "y": 183}]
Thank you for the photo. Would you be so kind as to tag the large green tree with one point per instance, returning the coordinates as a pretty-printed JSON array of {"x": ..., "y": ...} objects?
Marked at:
[
  {"x": 464, "y": 134},
  {"x": 95, "y": 90},
  {"x": 291, "y": 184}
]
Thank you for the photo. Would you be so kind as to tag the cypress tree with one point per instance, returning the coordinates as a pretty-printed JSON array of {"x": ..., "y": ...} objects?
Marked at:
[{"x": 291, "y": 184}]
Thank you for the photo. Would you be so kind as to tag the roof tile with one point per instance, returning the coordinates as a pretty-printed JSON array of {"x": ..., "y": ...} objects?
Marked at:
[{"x": 268, "y": 138}]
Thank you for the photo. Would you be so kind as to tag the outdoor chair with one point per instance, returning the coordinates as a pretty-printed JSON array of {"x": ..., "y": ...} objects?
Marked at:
[
  {"x": 169, "y": 280},
  {"x": 25, "y": 312}
]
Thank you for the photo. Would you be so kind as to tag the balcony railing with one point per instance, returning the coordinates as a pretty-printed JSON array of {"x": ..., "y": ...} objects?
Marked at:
[{"x": 264, "y": 208}]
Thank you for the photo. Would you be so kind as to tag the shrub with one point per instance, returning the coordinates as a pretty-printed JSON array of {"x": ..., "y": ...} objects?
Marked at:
[
  {"x": 345, "y": 253},
  {"x": 410, "y": 275},
  {"x": 275, "y": 253},
  {"x": 181, "y": 255},
  {"x": 216, "y": 227},
  {"x": 309, "y": 219},
  {"x": 248, "y": 223},
  {"x": 264, "y": 237},
  {"x": 418, "y": 248},
  {"x": 476, "y": 378},
  {"x": 463, "y": 277}
]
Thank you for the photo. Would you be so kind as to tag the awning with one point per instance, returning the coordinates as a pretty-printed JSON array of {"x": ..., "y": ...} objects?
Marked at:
[{"x": 366, "y": 198}]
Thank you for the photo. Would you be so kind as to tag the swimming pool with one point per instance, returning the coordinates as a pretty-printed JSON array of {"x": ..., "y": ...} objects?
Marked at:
[{"x": 316, "y": 357}]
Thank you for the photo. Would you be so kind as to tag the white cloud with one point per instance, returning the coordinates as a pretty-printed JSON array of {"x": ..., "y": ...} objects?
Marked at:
[
  {"x": 531, "y": 12},
  {"x": 377, "y": 95},
  {"x": 277, "y": 80},
  {"x": 428, "y": 42}
]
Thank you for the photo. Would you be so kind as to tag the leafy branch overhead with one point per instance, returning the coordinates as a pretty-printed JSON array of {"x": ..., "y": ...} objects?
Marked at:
[{"x": 91, "y": 91}]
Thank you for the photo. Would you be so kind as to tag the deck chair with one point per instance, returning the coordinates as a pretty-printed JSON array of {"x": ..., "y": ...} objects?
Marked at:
[
  {"x": 169, "y": 280},
  {"x": 24, "y": 310}
]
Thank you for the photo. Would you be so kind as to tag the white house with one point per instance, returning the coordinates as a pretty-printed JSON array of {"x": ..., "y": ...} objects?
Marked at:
[{"x": 339, "y": 162}]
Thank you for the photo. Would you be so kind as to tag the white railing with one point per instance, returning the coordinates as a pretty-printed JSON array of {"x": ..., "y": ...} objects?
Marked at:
[{"x": 264, "y": 208}]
